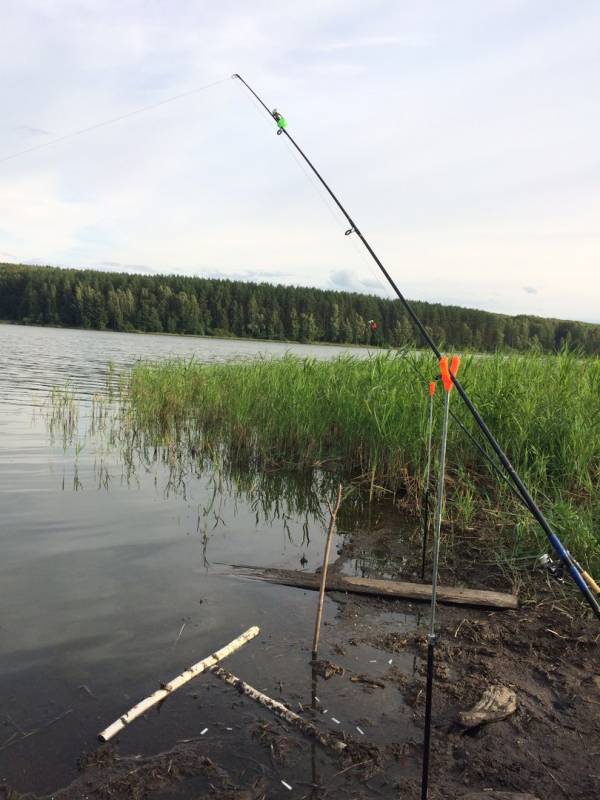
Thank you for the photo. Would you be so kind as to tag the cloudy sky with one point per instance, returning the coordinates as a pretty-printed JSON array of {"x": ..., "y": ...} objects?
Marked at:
[{"x": 463, "y": 137}]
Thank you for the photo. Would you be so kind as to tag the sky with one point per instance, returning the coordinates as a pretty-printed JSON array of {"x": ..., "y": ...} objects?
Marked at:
[{"x": 462, "y": 137}]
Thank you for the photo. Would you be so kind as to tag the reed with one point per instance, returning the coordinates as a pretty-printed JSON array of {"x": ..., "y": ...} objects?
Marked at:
[{"x": 367, "y": 418}]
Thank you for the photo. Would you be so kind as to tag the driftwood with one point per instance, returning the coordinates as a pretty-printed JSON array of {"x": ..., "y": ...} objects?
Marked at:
[
  {"x": 332, "y": 516},
  {"x": 454, "y": 595},
  {"x": 169, "y": 688},
  {"x": 496, "y": 703},
  {"x": 327, "y": 740}
]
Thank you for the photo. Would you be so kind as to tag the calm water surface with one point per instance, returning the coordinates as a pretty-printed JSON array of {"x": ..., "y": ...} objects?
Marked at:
[{"x": 113, "y": 582}]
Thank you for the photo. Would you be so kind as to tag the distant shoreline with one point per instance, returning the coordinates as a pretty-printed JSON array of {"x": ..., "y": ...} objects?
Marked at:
[{"x": 292, "y": 342}]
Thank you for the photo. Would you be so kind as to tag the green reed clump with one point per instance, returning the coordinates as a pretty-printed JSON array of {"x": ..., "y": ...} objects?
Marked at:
[
  {"x": 62, "y": 415},
  {"x": 369, "y": 416}
]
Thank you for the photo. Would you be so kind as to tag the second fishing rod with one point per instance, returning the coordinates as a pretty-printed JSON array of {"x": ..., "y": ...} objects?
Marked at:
[{"x": 558, "y": 547}]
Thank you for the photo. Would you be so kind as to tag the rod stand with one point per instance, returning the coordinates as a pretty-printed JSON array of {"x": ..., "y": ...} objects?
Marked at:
[{"x": 431, "y": 641}]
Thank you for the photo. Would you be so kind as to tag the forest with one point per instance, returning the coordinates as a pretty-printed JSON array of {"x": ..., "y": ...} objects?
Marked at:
[{"x": 180, "y": 304}]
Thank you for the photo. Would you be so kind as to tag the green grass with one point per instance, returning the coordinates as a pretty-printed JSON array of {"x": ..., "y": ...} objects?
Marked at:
[{"x": 367, "y": 418}]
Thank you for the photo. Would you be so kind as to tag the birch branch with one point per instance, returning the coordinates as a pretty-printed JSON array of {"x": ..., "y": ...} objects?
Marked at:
[
  {"x": 333, "y": 514},
  {"x": 206, "y": 663},
  {"x": 327, "y": 740}
]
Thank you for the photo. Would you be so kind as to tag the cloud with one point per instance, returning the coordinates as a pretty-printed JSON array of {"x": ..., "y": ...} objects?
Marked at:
[
  {"x": 472, "y": 164},
  {"x": 117, "y": 266},
  {"x": 348, "y": 280},
  {"x": 266, "y": 276},
  {"x": 403, "y": 40},
  {"x": 31, "y": 131},
  {"x": 530, "y": 289}
]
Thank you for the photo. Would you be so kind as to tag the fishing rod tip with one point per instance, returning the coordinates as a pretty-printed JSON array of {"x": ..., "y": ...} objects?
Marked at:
[{"x": 235, "y": 75}]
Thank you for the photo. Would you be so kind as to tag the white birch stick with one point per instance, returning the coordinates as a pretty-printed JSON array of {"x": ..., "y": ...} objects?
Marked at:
[
  {"x": 307, "y": 728},
  {"x": 169, "y": 688},
  {"x": 333, "y": 514}
]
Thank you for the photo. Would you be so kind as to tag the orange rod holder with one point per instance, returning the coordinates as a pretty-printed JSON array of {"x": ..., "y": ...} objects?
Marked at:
[{"x": 449, "y": 373}]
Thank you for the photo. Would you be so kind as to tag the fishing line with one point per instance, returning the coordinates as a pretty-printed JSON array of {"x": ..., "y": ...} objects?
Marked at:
[
  {"x": 471, "y": 438},
  {"x": 425, "y": 504},
  {"x": 313, "y": 182},
  {"x": 563, "y": 554},
  {"x": 332, "y": 210},
  {"x": 112, "y": 121}
]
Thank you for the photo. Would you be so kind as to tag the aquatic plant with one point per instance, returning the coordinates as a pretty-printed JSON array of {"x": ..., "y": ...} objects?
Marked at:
[{"x": 367, "y": 419}]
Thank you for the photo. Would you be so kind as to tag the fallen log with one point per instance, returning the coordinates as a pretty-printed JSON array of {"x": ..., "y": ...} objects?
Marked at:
[
  {"x": 454, "y": 595},
  {"x": 155, "y": 698},
  {"x": 327, "y": 740}
]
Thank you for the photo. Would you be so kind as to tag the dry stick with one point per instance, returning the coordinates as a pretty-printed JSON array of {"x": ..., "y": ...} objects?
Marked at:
[
  {"x": 167, "y": 689},
  {"x": 333, "y": 514},
  {"x": 327, "y": 740}
]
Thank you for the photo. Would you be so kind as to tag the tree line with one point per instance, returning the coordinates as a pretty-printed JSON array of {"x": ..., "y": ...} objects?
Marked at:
[{"x": 205, "y": 306}]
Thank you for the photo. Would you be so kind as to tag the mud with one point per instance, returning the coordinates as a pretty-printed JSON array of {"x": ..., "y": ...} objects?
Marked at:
[{"x": 368, "y": 686}]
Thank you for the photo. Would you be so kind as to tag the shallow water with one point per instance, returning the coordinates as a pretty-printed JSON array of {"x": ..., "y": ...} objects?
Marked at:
[{"x": 113, "y": 581}]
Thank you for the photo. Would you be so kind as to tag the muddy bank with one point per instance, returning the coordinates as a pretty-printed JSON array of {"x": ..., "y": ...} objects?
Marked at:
[{"x": 370, "y": 690}]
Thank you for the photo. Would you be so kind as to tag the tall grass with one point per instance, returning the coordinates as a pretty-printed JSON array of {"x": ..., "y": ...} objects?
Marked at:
[{"x": 368, "y": 418}]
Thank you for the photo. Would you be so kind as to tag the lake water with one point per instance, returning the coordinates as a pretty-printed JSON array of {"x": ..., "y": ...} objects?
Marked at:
[{"x": 112, "y": 580}]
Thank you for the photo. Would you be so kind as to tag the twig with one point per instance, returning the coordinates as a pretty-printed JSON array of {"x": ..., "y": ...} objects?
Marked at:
[
  {"x": 15, "y": 725},
  {"x": 10, "y": 743},
  {"x": 166, "y": 690},
  {"x": 554, "y": 778},
  {"x": 353, "y": 766},
  {"x": 307, "y": 728},
  {"x": 179, "y": 634},
  {"x": 333, "y": 514},
  {"x": 13, "y": 735}
]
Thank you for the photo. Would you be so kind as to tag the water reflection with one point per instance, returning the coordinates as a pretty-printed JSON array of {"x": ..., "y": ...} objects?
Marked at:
[
  {"x": 110, "y": 542},
  {"x": 206, "y": 473}
]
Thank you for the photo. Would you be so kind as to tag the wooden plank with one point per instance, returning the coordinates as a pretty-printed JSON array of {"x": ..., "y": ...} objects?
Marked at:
[{"x": 453, "y": 595}]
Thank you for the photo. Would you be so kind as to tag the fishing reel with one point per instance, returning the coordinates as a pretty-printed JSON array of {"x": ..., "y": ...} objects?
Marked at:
[{"x": 554, "y": 568}]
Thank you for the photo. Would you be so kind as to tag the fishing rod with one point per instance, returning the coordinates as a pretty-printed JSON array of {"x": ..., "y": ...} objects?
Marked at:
[{"x": 561, "y": 551}]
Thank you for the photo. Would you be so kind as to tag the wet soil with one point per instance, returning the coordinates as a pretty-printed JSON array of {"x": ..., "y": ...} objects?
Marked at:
[{"x": 368, "y": 689}]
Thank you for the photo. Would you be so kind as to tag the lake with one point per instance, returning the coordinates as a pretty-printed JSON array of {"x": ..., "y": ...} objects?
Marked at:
[{"x": 115, "y": 579}]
